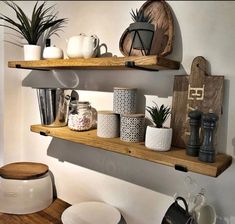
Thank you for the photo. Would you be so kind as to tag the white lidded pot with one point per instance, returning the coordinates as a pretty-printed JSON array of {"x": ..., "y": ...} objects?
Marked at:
[
  {"x": 52, "y": 52},
  {"x": 74, "y": 46},
  {"x": 25, "y": 188}
]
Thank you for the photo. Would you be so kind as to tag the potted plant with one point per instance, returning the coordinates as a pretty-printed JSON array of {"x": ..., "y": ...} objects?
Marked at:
[
  {"x": 32, "y": 29},
  {"x": 158, "y": 137},
  {"x": 142, "y": 30}
]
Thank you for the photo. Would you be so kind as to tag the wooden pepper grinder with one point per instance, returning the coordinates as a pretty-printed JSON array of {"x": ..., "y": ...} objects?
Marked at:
[
  {"x": 207, "y": 150},
  {"x": 194, "y": 143}
]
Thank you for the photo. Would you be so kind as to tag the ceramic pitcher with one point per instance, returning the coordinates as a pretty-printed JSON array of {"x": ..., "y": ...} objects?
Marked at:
[
  {"x": 75, "y": 46},
  {"x": 90, "y": 45},
  {"x": 203, "y": 212}
]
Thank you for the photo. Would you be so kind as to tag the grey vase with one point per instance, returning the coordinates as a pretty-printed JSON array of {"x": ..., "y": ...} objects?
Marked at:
[{"x": 145, "y": 31}]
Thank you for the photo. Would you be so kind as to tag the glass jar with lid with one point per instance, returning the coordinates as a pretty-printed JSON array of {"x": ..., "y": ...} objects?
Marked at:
[{"x": 80, "y": 116}]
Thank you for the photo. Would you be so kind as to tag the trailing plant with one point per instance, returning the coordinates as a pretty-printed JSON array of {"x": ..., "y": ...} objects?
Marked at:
[
  {"x": 159, "y": 115},
  {"x": 141, "y": 16},
  {"x": 43, "y": 19}
]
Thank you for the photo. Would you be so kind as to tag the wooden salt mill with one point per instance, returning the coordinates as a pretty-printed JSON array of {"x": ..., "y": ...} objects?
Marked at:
[
  {"x": 194, "y": 143},
  {"x": 207, "y": 150}
]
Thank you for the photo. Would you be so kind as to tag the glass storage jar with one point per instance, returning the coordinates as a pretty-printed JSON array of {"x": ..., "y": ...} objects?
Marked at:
[{"x": 80, "y": 116}]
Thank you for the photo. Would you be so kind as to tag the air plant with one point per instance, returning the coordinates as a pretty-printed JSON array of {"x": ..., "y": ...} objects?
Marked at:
[{"x": 43, "y": 20}]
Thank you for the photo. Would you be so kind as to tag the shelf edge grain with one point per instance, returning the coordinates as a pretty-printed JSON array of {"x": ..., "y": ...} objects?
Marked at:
[
  {"x": 170, "y": 158},
  {"x": 117, "y": 63}
]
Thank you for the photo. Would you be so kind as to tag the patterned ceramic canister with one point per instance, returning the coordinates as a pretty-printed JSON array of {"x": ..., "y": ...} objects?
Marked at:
[
  {"x": 108, "y": 124},
  {"x": 132, "y": 127},
  {"x": 124, "y": 100}
]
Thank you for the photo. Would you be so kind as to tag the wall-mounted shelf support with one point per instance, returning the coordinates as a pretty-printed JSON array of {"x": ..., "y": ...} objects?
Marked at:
[
  {"x": 37, "y": 69},
  {"x": 131, "y": 64}
]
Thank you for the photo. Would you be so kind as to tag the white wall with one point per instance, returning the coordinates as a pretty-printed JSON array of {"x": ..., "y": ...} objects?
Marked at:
[{"x": 203, "y": 28}]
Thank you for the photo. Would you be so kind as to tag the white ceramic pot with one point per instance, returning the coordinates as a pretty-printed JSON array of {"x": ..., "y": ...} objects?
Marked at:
[
  {"x": 52, "y": 53},
  {"x": 89, "y": 47},
  {"x": 158, "y": 139},
  {"x": 75, "y": 45},
  {"x": 32, "y": 52},
  {"x": 108, "y": 124},
  {"x": 25, "y": 196}
]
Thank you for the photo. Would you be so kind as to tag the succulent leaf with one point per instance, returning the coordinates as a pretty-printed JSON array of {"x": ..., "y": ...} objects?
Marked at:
[
  {"x": 159, "y": 115},
  {"x": 42, "y": 19},
  {"x": 141, "y": 16}
]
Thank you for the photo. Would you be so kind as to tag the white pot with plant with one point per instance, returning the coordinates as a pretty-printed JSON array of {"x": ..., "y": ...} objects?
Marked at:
[
  {"x": 43, "y": 21},
  {"x": 157, "y": 136},
  {"x": 142, "y": 30}
]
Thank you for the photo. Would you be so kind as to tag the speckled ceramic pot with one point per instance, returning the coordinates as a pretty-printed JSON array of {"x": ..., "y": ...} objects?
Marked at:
[{"x": 108, "y": 124}]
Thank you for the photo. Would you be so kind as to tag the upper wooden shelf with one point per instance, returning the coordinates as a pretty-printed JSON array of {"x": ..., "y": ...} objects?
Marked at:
[
  {"x": 118, "y": 63},
  {"x": 175, "y": 157}
]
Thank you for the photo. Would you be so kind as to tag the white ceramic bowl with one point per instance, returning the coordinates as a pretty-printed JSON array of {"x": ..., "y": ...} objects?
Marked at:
[
  {"x": 25, "y": 196},
  {"x": 91, "y": 213}
]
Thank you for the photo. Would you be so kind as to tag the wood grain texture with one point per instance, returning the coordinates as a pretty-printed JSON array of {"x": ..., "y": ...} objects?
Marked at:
[
  {"x": 23, "y": 170},
  {"x": 50, "y": 215},
  {"x": 197, "y": 90},
  {"x": 97, "y": 63},
  {"x": 171, "y": 158},
  {"x": 162, "y": 43}
]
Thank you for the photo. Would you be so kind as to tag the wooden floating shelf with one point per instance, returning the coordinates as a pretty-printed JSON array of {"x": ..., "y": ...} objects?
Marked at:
[
  {"x": 50, "y": 215},
  {"x": 175, "y": 157},
  {"x": 118, "y": 63}
]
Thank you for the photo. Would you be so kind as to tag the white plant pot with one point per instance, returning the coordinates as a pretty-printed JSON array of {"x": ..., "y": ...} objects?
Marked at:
[
  {"x": 158, "y": 139},
  {"x": 32, "y": 52}
]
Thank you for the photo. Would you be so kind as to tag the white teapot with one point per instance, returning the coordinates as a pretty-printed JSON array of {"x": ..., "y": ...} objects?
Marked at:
[
  {"x": 74, "y": 46},
  {"x": 90, "y": 46}
]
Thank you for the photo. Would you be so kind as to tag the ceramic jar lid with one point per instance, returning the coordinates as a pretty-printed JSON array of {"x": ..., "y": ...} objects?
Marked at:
[
  {"x": 124, "y": 88},
  {"x": 133, "y": 115},
  {"x": 92, "y": 213},
  {"x": 108, "y": 112},
  {"x": 23, "y": 170}
]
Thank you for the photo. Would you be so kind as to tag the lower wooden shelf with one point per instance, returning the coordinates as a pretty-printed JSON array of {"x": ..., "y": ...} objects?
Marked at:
[
  {"x": 175, "y": 157},
  {"x": 50, "y": 215}
]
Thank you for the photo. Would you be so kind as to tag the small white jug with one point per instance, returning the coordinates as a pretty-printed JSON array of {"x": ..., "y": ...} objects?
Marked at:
[
  {"x": 74, "y": 46},
  {"x": 203, "y": 212},
  {"x": 90, "y": 44}
]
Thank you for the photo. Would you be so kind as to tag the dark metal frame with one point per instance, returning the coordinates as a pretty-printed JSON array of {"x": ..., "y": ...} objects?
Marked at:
[{"x": 143, "y": 50}]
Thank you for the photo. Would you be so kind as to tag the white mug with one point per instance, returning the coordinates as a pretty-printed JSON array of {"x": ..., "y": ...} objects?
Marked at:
[
  {"x": 90, "y": 44},
  {"x": 74, "y": 46},
  {"x": 203, "y": 212}
]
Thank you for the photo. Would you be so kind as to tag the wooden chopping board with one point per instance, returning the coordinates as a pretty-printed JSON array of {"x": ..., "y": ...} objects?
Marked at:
[
  {"x": 197, "y": 90},
  {"x": 162, "y": 43},
  {"x": 23, "y": 170}
]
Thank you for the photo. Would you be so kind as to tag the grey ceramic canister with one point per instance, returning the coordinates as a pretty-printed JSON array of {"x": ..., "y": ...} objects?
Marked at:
[
  {"x": 124, "y": 100},
  {"x": 132, "y": 127}
]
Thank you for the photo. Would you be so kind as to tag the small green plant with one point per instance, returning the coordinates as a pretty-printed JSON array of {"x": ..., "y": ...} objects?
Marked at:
[
  {"x": 141, "y": 16},
  {"x": 159, "y": 115},
  {"x": 31, "y": 29}
]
